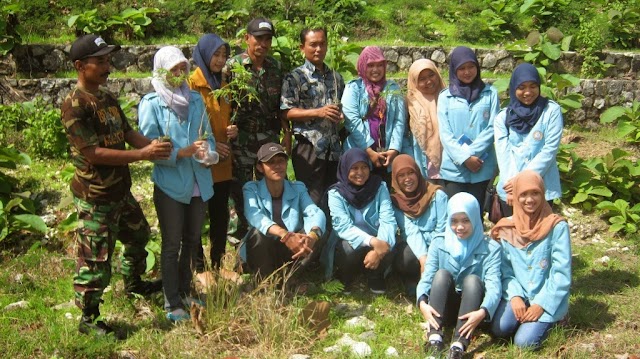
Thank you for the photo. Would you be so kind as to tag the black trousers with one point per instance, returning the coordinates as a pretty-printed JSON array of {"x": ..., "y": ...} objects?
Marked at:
[
  {"x": 218, "y": 226},
  {"x": 265, "y": 253},
  {"x": 317, "y": 174},
  {"x": 406, "y": 265},
  {"x": 478, "y": 190},
  {"x": 451, "y": 304},
  {"x": 349, "y": 263}
]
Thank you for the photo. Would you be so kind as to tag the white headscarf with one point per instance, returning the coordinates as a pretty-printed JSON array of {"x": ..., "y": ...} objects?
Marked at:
[{"x": 177, "y": 98}]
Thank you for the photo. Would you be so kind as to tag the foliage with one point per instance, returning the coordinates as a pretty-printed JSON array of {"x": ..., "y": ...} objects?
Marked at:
[
  {"x": 11, "y": 32},
  {"x": 592, "y": 37},
  {"x": 539, "y": 49},
  {"x": 624, "y": 23},
  {"x": 622, "y": 217},
  {"x": 544, "y": 11},
  {"x": 241, "y": 88},
  {"x": 131, "y": 22},
  {"x": 34, "y": 127},
  {"x": 628, "y": 121},
  {"x": 17, "y": 210}
]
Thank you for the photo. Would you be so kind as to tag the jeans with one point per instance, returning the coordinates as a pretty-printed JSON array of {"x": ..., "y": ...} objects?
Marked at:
[
  {"x": 180, "y": 227},
  {"x": 527, "y": 335},
  {"x": 444, "y": 298}
]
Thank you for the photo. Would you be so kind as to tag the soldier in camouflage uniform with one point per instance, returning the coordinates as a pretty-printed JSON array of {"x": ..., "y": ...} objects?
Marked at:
[
  {"x": 310, "y": 99},
  {"x": 97, "y": 131},
  {"x": 259, "y": 120}
]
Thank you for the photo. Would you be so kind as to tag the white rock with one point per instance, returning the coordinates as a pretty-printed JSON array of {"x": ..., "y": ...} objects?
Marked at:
[
  {"x": 17, "y": 305},
  {"x": 68, "y": 315},
  {"x": 590, "y": 347},
  {"x": 331, "y": 349},
  {"x": 368, "y": 335},
  {"x": 361, "y": 349},
  {"x": 391, "y": 352},
  {"x": 612, "y": 249},
  {"x": 49, "y": 219},
  {"x": 360, "y": 321},
  {"x": 18, "y": 278},
  {"x": 624, "y": 249},
  {"x": 603, "y": 260},
  {"x": 300, "y": 356},
  {"x": 65, "y": 305},
  {"x": 345, "y": 341}
]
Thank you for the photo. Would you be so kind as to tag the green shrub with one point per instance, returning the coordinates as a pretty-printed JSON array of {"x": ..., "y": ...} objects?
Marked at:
[
  {"x": 11, "y": 32},
  {"x": 628, "y": 121}
]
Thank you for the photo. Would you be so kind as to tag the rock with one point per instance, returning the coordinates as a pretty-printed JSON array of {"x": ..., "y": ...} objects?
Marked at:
[
  {"x": 18, "y": 278},
  {"x": 391, "y": 352},
  {"x": 368, "y": 335},
  {"x": 360, "y": 321},
  {"x": 23, "y": 304},
  {"x": 489, "y": 61},
  {"x": 49, "y": 219},
  {"x": 361, "y": 349},
  {"x": 68, "y": 315},
  {"x": 65, "y": 305},
  {"x": 590, "y": 347},
  {"x": 438, "y": 57},
  {"x": 300, "y": 356},
  {"x": 604, "y": 260}
]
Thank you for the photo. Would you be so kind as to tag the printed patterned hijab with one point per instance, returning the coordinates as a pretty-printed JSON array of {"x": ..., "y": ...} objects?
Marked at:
[
  {"x": 471, "y": 92},
  {"x": 520, "y": 117},
  {"x": 523, "y": 228},
  {"x": 177, "y": 98},
  {"x": 423, "y": 114}
]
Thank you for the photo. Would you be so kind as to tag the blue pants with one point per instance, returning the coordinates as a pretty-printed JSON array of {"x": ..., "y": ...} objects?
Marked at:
[{"x": 527, "y": 335}]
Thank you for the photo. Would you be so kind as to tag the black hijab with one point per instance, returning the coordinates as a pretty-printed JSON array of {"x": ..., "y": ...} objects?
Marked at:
[
  {"x": 459, "y": 56},
  {"x": 520, "y": 117},
  {"x": 357, "y": 196}
]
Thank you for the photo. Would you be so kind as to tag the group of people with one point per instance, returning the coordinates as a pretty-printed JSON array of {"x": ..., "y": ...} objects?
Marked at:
[{"x": 385, "y": 181}]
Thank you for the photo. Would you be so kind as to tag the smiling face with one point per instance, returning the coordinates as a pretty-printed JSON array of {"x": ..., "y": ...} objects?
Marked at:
[
  {"x": 275, "y": 169},
  {"x": 315, "y": 47},
  {"x": 359, "y": 173},
  {"x": 375, "y": 71},
  {"x": 427, "y": 82},
  {"x": 407, "y": 180},
  {"x": 218, "y": 59},
  {"x": 530, "y": 200},
  {"x": 528, "y": 92},
  {"x": 467, "y": 72},
  {"x": 93, "y": 71},
  {"x": 176, "y": 75},
  {"x": 461, "y": 225}
]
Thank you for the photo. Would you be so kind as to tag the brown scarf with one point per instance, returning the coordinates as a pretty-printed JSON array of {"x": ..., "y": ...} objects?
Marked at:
[
  {"x": 523, "y": 228},
  {"x": 423, "y": 115},
  {"x": 416, "y": 203}
]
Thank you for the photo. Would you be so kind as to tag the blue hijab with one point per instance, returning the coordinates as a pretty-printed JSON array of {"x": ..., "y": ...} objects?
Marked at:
[
  {"x": 520, "y": 117},
  {"x": 357, "y": 196},
  {"x": 460, "y": 56},
  {"x": 202, "y": 54},
  {"x": 461, "y": 249}
]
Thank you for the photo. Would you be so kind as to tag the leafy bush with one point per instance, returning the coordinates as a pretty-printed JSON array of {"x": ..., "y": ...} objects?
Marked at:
[
  {"x": 131, "y": 22},
  {"x": 624, "y": 20},
  {"x": 34, "y": 127},
  {"x": 628, "y": 121},
  {"x": 10, "y": 30},
  {"x": 17, "y": 210}
]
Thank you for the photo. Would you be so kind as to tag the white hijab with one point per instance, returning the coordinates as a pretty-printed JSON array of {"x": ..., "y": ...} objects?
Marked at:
[{"x": 177, "y": 98}]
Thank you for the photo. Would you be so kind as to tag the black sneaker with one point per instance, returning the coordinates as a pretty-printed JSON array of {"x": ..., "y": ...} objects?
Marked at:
[
  {"x": 434, "y": 347},
  {"x": 89, "y": 326},
  {"x": 455, "y": 353},
  {"x": 377, "y": 285},
  {"x": 143, "y": 287}
]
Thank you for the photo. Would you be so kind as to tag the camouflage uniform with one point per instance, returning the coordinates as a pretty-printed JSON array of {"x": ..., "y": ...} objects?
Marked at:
[
  {"x": 317, "y": 151},
  {"x": 102, "y": 196},
  {"x": 258, "y": 123}
]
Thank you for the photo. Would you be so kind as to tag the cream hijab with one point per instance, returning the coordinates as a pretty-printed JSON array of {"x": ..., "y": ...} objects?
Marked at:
[{"x": 423, "y": 118}]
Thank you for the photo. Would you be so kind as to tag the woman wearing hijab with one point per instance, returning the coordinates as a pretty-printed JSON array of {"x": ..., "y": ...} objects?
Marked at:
[
  {"x": 363, "y": 223},
  {"x": 210, "y": 56},
  {"x": 374, "y": 111},
  {"x": 527, "y": 136},
  {"x": 182, "y": 184},
  {"x": 465, "y": 114},
  {"x": 461, "y": 280},
  {"x": 421, "y": 213},
  {"x": 536, "y": 265},
  {"x": 423, "y": 86}
]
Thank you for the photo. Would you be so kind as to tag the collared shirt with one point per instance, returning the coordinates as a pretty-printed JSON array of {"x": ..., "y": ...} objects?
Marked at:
[
  {"x": 307, "y": 87},
  {"x": 262, "y": 115}
]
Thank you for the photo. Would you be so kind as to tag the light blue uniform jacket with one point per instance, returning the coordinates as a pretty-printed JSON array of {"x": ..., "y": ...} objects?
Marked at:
[
  {"x": 540, "y": 273},
  {"x": 457, "y": 117},
  {"x": 298, "y": 210},
  {"x": 535, "y": 151},
  {"x": 484, "y": 262},
  {"x": 377, "y": 214},
  {"x": 420, "y": 232},
  {"x": 177, "y": 177},
  {"x": 355, "y": 104}
]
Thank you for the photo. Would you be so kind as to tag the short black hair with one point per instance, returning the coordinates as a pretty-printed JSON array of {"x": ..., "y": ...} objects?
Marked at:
[{"x": 306, "y": 30}]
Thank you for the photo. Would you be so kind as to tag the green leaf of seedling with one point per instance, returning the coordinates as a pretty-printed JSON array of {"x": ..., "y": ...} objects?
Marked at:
[
  {"x": 616, "y": 228},
  {"x": 579, "y": 198},
  {"x": 32, "y": 222}
]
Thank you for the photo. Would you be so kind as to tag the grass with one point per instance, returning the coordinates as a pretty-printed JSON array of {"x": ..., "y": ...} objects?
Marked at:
[{"x": 255, "y": 321}]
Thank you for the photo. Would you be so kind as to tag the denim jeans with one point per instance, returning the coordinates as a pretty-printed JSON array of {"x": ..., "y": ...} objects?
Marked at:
[
  {"x": 527, "y": 335},
  {"x": 444, "y": 298}
]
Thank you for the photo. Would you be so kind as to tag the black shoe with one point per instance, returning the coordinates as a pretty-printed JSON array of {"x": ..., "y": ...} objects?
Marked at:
[
  {"x": 89, "y": 326},
  {"x": 143, "y": 287},
  {"x": 455, "y": 353},
  {"x": 377, "y": 285},
  {"x": 434, "y": 347}
]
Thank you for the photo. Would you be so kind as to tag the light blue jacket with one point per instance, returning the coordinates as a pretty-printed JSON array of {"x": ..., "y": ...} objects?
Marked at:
[
  {"x": 420, "y": 232},
  {"x": 177, "y": 177},
  {"x": 535, "y": 151},
  {"x": 378, "y": 215},
  {"x": 484, "y": 262},
  {"x": 298, "y": 210},
  {"x": 355, "y": 104},
  {"x": 540, "y": 272},
  {"x": 457, "y": 117}
]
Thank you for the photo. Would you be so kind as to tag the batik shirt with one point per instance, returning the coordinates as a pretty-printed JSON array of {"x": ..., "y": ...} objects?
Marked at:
[
  {"x": 96, "y": 120},
  {"x": 307, "y": 87}
]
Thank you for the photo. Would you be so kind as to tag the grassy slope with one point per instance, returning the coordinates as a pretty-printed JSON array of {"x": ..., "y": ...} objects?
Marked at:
[{"x": 603, "y": 315}]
